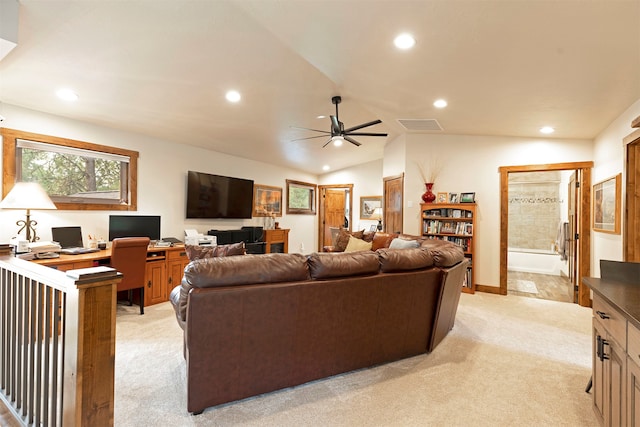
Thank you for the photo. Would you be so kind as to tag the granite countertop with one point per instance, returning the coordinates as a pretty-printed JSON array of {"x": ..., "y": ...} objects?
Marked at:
[{"x": 624, "y": 296}]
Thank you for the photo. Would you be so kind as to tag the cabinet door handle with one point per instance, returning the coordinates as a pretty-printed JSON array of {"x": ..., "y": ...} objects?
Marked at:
[
  {"x": 599, "y": 347},
  {"x": 149, "y": 284},
  {"x": 603, "y": 356},
  {"x": 602, "y": 315}
]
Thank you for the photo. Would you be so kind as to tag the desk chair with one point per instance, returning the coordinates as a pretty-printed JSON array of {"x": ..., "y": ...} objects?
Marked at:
[{"x": 129, "y": 257}]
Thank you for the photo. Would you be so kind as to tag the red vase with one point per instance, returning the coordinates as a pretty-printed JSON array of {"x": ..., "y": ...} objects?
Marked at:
[{"x": 428, "y": 196}]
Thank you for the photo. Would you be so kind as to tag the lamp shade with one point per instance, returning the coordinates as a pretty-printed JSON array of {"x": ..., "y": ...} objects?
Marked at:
[
  {"x": 27, "y": 195},
  {"x": 377, "y": 214}
]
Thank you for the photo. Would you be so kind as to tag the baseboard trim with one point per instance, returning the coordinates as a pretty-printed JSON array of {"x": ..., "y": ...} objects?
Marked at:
[{"x": 490, "y": 289}]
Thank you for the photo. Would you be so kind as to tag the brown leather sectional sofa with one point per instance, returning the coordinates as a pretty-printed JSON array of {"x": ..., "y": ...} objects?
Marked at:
[{"x": 258, "y": 323}]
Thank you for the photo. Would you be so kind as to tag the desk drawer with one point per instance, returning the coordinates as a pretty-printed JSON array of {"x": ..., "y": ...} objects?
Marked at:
[
  {"x": 611, "y": 319},
  {"x": 177, "y": 254}
]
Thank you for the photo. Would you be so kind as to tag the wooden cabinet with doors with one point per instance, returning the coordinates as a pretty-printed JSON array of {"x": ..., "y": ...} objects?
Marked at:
[
  {"x": 453, "y": 222},
  {"x": 609, "y": 363},
  {"x": 177, "y": 260},
  {"x": 155, "y": 290},
  {"x": 616, "y": 351}
]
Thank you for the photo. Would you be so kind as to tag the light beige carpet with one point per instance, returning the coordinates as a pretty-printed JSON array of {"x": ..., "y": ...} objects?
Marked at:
[{"x": 509, "y": 361}]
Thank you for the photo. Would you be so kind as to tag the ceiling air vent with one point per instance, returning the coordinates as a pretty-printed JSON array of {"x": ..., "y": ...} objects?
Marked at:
[{"x": 420, "y": 124}]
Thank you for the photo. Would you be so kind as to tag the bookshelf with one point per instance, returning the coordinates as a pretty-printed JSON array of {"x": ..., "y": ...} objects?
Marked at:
[{"x": 454, "y": 222}]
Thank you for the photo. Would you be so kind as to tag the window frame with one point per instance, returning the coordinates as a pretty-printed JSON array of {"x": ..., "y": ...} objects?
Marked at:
[
  {"x": 10, "y": 162},
  {"x": 312, "y": 188}
]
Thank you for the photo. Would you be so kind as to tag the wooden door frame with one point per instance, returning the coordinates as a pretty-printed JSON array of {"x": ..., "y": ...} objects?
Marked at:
[
  {"x": 321, "y": 197},
  {"x": 630, "y": 208},
  {"x": 584, "y": 223}
]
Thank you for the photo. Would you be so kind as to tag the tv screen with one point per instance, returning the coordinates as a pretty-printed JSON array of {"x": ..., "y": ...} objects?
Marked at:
[
  {"x": 216, "y": 196},
  {"x": 134, "y": 226}
]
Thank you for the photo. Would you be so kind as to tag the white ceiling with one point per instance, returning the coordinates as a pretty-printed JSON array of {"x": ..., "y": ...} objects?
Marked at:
[{"x": 162, "y": 68}]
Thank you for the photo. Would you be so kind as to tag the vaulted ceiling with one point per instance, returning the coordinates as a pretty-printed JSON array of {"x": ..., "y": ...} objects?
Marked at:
[{"x": 162, "y": 68}]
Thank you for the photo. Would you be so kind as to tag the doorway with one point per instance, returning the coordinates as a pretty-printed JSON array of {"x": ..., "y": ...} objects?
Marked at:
[
  {"x": 335, "y": 211},
  {"x": 392, "y": 197},
  {"x": 581, "y": 220},
  {"x": 631, "y": 239},
  {"x": 541, "y": 215}
]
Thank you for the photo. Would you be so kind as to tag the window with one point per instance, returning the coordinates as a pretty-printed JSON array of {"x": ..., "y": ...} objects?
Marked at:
[
  {"x": 77, "y": 175},
  {"x": 301, "y": 197}
]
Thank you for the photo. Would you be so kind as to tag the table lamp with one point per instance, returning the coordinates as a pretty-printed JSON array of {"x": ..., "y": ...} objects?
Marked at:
[
  {"x": 377, "y": 214},
  {"x": 27, "y": 195}
]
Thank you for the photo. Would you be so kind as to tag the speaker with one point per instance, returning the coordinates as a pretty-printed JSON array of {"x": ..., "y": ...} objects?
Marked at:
[{"x": 256, "y": 233}]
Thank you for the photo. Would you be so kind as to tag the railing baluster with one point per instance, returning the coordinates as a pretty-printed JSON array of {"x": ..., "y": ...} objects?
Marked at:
[{"x": 53, "y": 370}]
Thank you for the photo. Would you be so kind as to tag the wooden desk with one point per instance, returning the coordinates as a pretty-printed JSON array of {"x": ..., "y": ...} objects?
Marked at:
[{"x": 164, "y": 269}]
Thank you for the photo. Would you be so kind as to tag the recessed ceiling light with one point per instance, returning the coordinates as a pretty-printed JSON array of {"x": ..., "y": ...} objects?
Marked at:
[
  {"x": 440, "y": 103},
  {"x": 547, "y": 129},
  {"x": 321, "y": 117},
  {"x": 404, "y": 41},
  {"x": 326, "y": 167},
  {"x": 67, "y": 94},
  {"x": 233, "y": 96}
]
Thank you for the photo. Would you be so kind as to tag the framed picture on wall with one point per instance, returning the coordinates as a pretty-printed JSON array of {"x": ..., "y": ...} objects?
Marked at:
[
  {"x": 267, "y": 200},
  {"x": 368, "y": 204},
  {"x": 606, "y": 205}
]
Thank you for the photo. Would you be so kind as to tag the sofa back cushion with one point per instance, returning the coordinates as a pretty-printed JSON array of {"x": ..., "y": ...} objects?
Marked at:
[
  {"x": 246, "y": 270},
  {"x": 198, "y": 252},
  {"x": 392, "y": 260},
  {"x": 445, "y": 254},
  {"x": 343, "y": 264}
]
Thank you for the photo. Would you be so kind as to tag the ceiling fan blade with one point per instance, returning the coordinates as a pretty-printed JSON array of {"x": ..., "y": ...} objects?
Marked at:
[
  {"x": 365, "y": 134},
  {"x": 327, "y": 143},
  {"x": 315, "y": 130},
  {"x": 364, "y": 125},
  {"x": 351, "y": 140},
  {"x": 309, "y": 137}
]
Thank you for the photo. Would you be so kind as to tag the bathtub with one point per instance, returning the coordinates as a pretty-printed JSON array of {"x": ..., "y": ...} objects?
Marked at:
[{"x": 535, "y": 261}]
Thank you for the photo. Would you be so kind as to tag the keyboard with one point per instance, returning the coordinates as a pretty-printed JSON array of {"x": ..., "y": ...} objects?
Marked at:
[{"x": 78, "y": 251}]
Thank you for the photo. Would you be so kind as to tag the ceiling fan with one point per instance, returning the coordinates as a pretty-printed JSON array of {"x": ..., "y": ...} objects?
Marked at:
[{"x": 338, "y": 132}]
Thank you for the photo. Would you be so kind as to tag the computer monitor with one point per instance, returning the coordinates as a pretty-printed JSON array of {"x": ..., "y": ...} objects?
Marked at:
[
  {"x": 67, "y": 237},
  {"x": 134, "y": 226}
]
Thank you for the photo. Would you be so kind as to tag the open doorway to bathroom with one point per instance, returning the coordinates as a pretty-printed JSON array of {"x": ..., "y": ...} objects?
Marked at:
[
  {"x": 541, "y": 214},
  {"x": 545, "y": 231}
]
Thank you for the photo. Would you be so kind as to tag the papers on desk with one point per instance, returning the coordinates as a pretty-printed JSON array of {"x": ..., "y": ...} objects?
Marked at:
[
  {"x": 37, "y": 247},
  {"x": 92, "y": 272}
]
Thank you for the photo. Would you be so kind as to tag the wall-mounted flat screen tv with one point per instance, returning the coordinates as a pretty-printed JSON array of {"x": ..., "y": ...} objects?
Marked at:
[
  {"x": 134, "y": 226},
  {"x": 216, "y": 196}
]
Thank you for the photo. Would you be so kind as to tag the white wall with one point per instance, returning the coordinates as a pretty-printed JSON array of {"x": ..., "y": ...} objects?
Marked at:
[
  {"x": 470, "y": 164},
  {"x": 609, "y": 153},
  {"x": 162, "y": 169}
]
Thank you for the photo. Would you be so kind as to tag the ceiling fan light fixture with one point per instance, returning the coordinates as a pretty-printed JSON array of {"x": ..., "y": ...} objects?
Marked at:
[{"x": 337, "y": 140}]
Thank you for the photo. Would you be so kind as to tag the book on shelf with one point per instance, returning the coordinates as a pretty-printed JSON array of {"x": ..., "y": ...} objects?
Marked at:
[{"x": 92, "y": 272}]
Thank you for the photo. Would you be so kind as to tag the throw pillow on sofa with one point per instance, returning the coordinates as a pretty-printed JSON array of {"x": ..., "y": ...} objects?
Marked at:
[
  {"x": 398, "y": 243},
  {"x": 356, "y": 245},
  {"x": 342, "y": 240},
  {"x": 198, "y": 252}
]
